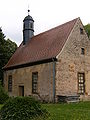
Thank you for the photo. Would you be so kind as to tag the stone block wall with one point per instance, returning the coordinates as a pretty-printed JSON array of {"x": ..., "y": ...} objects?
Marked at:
[
  {"x": 23, "y": 77},
  {"x": 71, "y": 61}
]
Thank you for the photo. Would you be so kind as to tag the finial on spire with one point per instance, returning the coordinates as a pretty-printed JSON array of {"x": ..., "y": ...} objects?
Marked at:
[{"x": 28, "y": 10}]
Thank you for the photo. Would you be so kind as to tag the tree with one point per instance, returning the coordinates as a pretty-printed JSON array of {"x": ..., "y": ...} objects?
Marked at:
[
  {"x": 87, "y": 28},
  {"x": 3, "y": 95},
  {"x": 7, "y": 48}
]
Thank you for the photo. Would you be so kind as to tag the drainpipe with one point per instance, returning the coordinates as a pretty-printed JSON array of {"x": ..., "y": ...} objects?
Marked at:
[{"x": 53, "y": 80}]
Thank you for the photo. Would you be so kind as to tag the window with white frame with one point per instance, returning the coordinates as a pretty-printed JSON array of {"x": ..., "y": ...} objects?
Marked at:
[
  {"x": 81, "y": 83},
  {"x": 10, "y": 83},
  {"x": 34, "y": 82}
]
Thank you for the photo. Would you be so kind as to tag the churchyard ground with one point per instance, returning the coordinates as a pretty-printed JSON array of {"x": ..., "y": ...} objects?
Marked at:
[{"x": 65, "y": 111}]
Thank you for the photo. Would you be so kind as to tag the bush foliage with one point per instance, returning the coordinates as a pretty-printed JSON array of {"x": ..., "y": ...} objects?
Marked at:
[
  {"x": 87, "y": 28},
  {"x": 22, "y": 108},
  {"x": 3, "y": 95}
]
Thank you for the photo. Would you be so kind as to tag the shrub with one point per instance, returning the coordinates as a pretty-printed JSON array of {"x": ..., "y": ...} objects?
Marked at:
[
  {"x": 22, "y": 108},
  {"x": 3, "y": 95}
]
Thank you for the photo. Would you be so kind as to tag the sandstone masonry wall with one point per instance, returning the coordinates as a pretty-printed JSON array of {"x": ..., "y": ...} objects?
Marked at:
[
  {"x": 71, "y": 61},
  {"x": 23, "y": 77}
]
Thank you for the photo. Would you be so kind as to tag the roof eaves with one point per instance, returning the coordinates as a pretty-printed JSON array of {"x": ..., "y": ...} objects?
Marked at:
[{"x": 30, "y": 64}]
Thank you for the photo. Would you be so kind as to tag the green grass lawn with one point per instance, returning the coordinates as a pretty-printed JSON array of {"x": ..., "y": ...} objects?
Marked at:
[{"x": 72, "y": 111}]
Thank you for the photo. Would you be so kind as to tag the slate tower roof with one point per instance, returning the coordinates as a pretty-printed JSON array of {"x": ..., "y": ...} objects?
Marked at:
[{"x": 28, "y": 28}]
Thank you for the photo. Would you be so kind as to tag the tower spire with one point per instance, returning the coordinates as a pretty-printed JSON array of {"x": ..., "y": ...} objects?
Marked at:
[{"x": 28, "y": 28}]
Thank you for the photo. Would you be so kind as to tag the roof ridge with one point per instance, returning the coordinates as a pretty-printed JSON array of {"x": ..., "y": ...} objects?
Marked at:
[{"x": 56, "y": 27}]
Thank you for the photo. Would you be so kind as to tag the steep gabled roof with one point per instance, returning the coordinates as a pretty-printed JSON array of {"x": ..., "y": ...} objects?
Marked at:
[{"x": 43, "y": 46}]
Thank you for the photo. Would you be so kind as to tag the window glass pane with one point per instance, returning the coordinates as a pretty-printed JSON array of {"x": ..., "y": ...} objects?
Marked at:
[
  {"x": 10, "y": 83},
  {"x": 30, "y": 25},
  {"x": 34, "y": 82},
  {"x": 82, "y": 52},
  {"x": 81, "y": 81},
  {"x": 81, "y": 31}
]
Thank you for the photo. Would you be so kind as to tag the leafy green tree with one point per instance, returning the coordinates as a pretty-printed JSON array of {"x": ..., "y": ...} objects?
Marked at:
[
  {"x": 87, "y": 28},
  {"x": 3, "y": 95},
  {"x": 7, "y": 48}
]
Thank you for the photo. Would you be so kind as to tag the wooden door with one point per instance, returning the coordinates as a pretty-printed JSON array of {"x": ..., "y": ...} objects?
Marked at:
[{"x": 21, "y": 90}]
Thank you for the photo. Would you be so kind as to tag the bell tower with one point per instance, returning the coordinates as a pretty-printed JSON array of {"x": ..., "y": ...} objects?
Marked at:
[{"x": 28, "y": 28}]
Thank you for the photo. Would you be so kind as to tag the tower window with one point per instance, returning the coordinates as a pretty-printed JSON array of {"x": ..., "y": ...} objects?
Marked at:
[
  {"x": 81, "y": 31},
  {"x": 82, "y": 51},
  {"x": 81, "y": 83},
  {"x": 34, "y": 82},
  {"x": 10, "y": 83},
  {"x": 31, "y": 25}
]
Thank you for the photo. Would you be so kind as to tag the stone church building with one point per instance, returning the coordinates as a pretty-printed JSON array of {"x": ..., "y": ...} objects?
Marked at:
[{"x": 52, "y": 65}]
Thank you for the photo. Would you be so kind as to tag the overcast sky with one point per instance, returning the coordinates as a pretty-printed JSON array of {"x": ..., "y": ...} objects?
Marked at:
[{"x": 46, "y": 14}]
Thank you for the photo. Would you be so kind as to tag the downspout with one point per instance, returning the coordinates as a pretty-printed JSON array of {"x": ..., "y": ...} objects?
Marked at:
[{"x": 53, "y": 80}]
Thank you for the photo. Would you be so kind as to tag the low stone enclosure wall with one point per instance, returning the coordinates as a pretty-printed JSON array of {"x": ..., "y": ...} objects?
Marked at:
[
  {"x": 68, "y": 99},
  {"x": 73, "y": 98}
]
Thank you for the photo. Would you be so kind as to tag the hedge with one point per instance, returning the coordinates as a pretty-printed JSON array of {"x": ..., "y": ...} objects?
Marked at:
[{"x": 22, "y": 108}]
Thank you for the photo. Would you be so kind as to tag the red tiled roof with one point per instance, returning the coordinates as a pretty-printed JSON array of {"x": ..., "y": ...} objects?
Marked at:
[{"x": 43, "y": 46}]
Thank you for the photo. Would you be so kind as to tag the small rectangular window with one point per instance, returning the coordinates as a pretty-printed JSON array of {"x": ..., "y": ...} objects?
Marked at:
[
  {"x": 81, "y": 31},
  {"x": 10, "y": 83},
  {"x": 82, "y": 51},
  {"x": 31, "y": 25},
  {"x": 81, "y": 83},
  {"x": 34, "y": 82}
]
